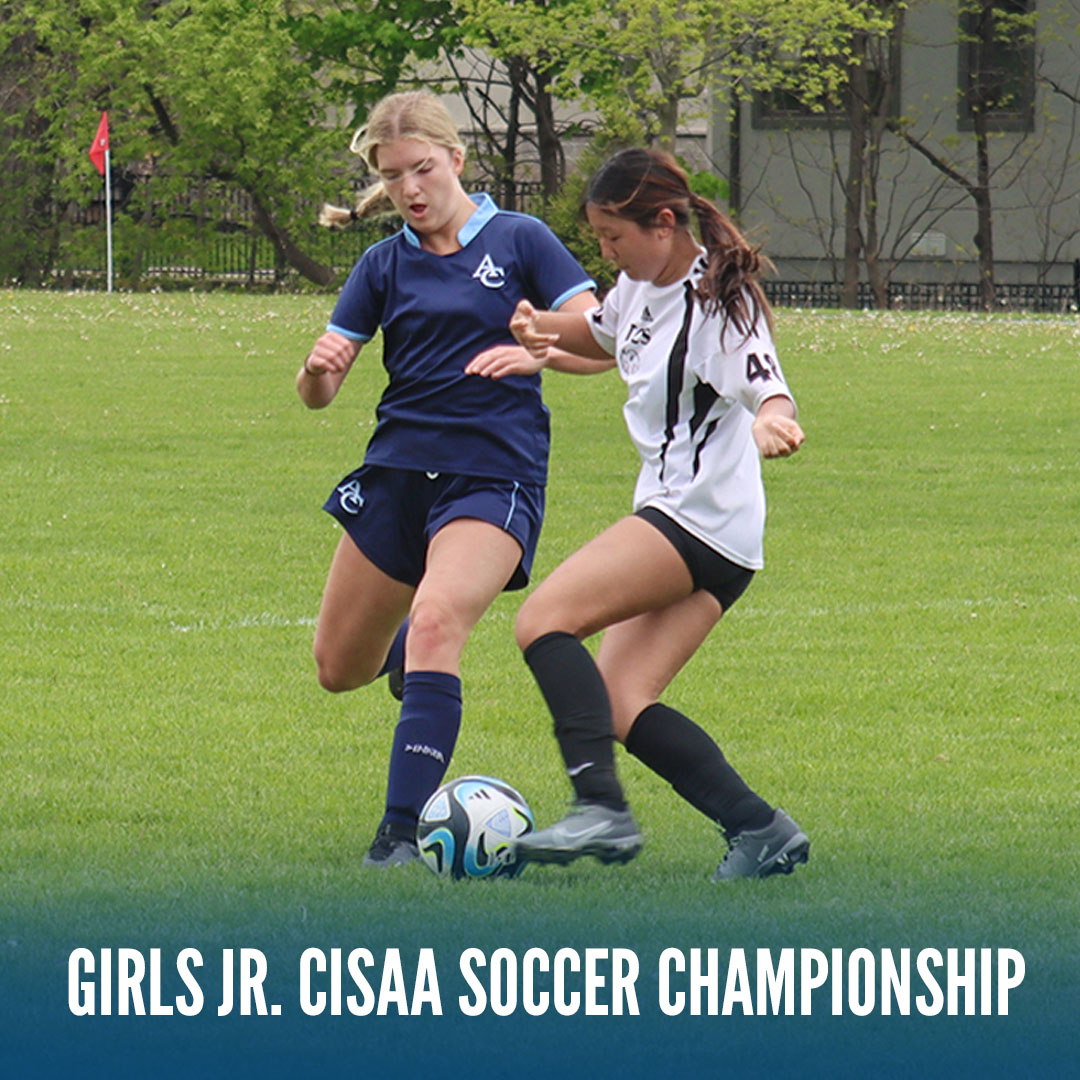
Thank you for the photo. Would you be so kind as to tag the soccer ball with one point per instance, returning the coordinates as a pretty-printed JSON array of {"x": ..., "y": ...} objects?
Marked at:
[{"x": 467, "y": 828}]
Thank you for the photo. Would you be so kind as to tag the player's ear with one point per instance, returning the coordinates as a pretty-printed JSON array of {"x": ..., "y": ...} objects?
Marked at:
[
  {"x": 457, "y": 160},
  {"x": 665, "y": 219}
]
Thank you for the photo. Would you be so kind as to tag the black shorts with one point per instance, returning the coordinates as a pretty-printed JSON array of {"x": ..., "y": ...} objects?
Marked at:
[{"x": 709, "y": 570}]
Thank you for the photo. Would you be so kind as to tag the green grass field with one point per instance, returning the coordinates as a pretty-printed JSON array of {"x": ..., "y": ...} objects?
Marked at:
[{"x": 901, "y": 678}]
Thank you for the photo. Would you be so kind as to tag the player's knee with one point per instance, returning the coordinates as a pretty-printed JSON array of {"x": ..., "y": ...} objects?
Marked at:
[
  {"x": 536, "y": 617},
  {"x": 530, "y": 624},
  {"x": 333, "y": 680},
  {"x": 337, "y": 676},
  {"x": 436, "y": 634}
]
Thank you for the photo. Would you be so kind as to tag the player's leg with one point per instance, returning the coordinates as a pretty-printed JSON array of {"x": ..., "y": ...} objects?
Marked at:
[
  {"x": 629, "y": 569},
  {"x": 638, "y": 659},
  {"x": 362, "y": 609},
  {"x": 469, "y": 563}
]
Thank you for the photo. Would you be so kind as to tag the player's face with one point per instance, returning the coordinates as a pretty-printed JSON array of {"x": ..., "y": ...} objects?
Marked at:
[
  {"x": 643, "y": 253},
  {"x": 422, "y": 182}
]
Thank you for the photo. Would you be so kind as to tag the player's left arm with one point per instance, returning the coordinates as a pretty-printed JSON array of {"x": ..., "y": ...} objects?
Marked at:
[
  {"x": 748, "y": 369},
  {"x": 776, "y": 431}
]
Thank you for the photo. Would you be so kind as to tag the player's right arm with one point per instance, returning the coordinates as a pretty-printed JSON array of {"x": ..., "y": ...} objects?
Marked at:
[
  {"x": 538, "y": 331},
  {"x": 324, "y": 369},
  {"x": 577, "y": 352}
]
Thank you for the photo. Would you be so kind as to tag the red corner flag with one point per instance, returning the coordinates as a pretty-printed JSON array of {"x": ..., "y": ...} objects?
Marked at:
[{"x": 100, "y": 144}]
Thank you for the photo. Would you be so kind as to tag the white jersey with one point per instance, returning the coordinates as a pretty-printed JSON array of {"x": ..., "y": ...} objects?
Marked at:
[{"x": 692, "y": 400}]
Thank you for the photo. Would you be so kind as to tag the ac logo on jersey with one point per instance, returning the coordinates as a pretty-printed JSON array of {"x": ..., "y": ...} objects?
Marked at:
[{"x": 490, "y": 275}]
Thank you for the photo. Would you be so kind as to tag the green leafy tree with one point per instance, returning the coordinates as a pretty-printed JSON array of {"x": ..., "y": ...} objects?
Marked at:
[
  {"x": 997, "y": 36},
  {"x": 364, "y": 49},
  {"x": 29, "y": 75},
  {"x": 644, "y": 64},
  {"x": 195, "y": 89}
]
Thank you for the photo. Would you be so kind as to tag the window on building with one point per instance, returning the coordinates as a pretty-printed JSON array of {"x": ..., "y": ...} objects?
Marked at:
[
  {"x": 997, "y": 64},
  {"x": 785, "y": 106}
]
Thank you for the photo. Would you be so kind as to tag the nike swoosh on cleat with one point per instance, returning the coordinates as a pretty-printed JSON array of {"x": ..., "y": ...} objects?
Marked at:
[{"x": 586, "y": 833}]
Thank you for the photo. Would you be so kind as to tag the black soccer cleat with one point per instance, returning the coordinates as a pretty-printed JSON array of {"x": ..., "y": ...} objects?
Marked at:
[
  {"x": 394, "y": 845},
  {"x": 395, "y": 679}
]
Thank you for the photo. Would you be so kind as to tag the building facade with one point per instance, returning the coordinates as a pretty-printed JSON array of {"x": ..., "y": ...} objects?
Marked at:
[{"x": 789, "y": 165}]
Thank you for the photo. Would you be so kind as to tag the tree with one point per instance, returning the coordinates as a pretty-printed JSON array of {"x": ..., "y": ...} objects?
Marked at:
[
  {"x": 996, "y": 37},
  {"x": 195, "y": 89},
  {"x": 28, "y": 75},
  {"x": 644, "y": 64}
]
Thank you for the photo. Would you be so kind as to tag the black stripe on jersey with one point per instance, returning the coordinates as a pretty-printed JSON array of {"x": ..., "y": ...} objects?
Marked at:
[
  {"x": 704, "y": 399},
  {"x": 675, "y": 373},
  {"x": 701, "y": 445}
]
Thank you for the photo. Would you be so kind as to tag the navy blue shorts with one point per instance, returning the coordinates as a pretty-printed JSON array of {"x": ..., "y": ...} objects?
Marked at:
[{"x": 392, "y": 514}]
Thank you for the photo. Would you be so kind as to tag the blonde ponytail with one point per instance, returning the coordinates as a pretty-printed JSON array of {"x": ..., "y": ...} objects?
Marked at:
[{"x": 371, "y": 201}]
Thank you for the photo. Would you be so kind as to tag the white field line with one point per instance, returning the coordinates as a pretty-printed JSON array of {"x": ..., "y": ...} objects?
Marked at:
[{"x": 261, "y": 621}]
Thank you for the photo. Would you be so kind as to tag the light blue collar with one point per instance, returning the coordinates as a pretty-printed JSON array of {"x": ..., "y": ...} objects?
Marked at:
[{"x": 485, "y": 211}]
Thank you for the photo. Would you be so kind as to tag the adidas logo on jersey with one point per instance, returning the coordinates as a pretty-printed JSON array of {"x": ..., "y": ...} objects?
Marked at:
[
  {"x": 646, "y": 315},
  {"x": 490, "y": 275}
]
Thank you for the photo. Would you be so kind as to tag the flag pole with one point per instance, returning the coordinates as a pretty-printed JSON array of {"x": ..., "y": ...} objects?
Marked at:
[
  {"x": 99, "y": 155},
  {"x": 108, "y": 224}
]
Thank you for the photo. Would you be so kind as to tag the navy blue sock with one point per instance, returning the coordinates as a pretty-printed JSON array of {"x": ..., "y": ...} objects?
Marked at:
[
  {"x": 395, "y": 658},
  {"x": 575, "y": 693},
  {"x": 423, "y": 742}
]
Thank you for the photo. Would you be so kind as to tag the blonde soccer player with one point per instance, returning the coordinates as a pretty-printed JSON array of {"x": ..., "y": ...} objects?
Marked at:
[{"x": 445, "y": 510}]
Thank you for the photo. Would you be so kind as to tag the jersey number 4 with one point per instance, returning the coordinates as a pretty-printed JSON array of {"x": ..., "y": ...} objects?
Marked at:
[{"x": 761, "y": 367}]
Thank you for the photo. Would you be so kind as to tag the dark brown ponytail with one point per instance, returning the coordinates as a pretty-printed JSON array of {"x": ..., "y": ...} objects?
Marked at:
[{"x": 731, "y": 283}]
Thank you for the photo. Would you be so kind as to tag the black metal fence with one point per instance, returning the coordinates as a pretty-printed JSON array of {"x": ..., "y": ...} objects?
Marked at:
[
  {"x": 246, "y": 256},
  {"x": 928, "y": 296}
]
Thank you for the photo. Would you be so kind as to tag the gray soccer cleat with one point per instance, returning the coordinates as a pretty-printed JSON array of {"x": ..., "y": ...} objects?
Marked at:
[
  {"x": 589, "y": 829},
  {"x": 775, "y": 849},
  {"x": 394, "y": 845}
]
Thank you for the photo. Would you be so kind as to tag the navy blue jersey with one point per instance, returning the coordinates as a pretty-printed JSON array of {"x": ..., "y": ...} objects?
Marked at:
[{"x": 436, "y": 313}]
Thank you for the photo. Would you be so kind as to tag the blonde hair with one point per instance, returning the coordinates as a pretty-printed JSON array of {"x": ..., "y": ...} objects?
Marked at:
[{"x": 417, "y": 114}]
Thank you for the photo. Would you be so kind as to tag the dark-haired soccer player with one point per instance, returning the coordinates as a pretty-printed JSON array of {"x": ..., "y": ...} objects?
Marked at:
[{"x": 690, "y": 328}]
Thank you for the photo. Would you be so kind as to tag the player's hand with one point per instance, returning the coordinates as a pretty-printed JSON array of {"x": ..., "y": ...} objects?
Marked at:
[
  {"x": 332, "y": 354},
  {"x": 523, "y": 327},
  {"x": 777, "y": 435},
  {"x": 502, "y": 360}
]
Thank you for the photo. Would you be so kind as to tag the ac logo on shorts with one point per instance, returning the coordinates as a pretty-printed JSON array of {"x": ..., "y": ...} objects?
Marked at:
[
  {"x": 350, "y": 497},
  {"x": 490, "y": 275}
]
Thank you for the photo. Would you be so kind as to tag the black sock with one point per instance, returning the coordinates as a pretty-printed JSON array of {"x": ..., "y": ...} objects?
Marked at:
[
  {"x": 686, "y": 756},
  {"x": 575, "y": 693}
]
